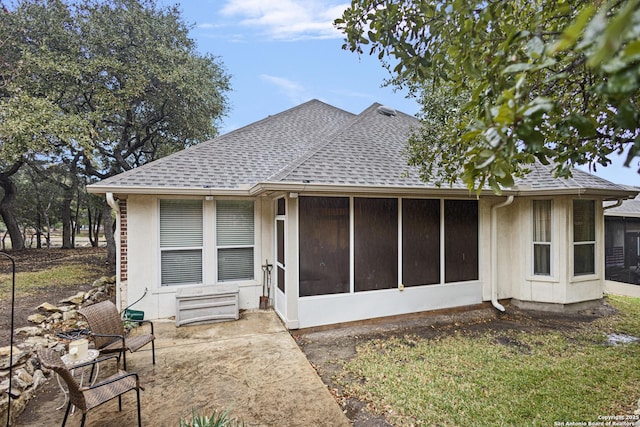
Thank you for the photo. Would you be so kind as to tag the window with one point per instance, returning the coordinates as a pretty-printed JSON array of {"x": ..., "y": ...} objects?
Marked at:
[
  {"x": 542, "y": 237},
  {"x": 584, "y": 237},
  {"x": 235, "y": 239},
  {"x": 376, "y": 244},
  {"x": 420, "y": 242},
  {"x": 460, "y": 240},
  {"x": 180, "y": 242},
  {"x": 324, "y": 245}
]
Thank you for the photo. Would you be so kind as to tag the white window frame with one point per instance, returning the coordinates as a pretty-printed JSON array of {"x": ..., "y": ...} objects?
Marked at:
[
  {"x": 219, "y": 247},
  {"x": 535, "y": 242},
  {"x": 591, "y": 243},
  {"x": 163, "y": 249}
]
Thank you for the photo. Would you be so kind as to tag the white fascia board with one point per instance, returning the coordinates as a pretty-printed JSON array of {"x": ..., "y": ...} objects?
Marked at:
[
  {"x": 168, "y": 191},
  {"x": 311, "y": 188}
]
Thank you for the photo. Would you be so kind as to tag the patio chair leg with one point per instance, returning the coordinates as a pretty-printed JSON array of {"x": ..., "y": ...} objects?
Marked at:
[
  {"x": 124, "y": 359},
  {"x": 84, "y": 418},
  {"x": 139, "y": 417},
  {"x": 153, "y": 351},
  {"x": 66, "y": 414},
  {"x": 120, "y": 403}
]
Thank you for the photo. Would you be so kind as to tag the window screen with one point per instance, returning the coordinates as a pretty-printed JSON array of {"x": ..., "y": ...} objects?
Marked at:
[
  {"x": 235, "y": 239},
  {"x": 376, "y": 243},
  {"x": 324, "y": 245},
  {"x": 461, "y": 240},
  {"x": 180, "y": 242},
  {"x": 420, "y": 242}
]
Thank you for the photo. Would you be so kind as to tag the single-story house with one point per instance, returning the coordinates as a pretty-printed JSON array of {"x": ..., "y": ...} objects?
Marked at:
[
  {"x": 622, "y": 241},
  {"x": 326, "y": 197}
]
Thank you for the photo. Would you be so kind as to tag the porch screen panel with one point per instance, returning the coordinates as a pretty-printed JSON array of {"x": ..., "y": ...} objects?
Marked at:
[
  {"x": 376, "y": 244},
  {"x": 235, "y": 239},
  {"x": 324, "y": 245},
  {"x": 180, "y": 242},
  {"x": 460, "y": 240},
  {"x": 420, "y": 242},
  {"x": 280, "y": 243}
]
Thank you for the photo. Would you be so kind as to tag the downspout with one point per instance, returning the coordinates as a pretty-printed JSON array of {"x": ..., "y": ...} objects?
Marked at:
[
  {"x": 615, "y": 205},
  {"x": 113, "y": 204},
  {"x": 494, "y": 252}
]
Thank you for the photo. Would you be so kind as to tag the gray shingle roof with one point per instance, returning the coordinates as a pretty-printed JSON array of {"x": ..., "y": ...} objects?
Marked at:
[
  {"x": 316, "y": 144},
  {"x": 629, "y": 208},
  {"x": 243, "y": 157}
]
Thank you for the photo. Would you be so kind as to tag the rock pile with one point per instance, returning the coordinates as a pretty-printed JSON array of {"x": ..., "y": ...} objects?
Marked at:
[{"x": 27, "y": 374}]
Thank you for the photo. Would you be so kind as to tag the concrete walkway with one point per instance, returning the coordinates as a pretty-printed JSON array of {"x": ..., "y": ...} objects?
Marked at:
[{"x": 252, "y": 367}]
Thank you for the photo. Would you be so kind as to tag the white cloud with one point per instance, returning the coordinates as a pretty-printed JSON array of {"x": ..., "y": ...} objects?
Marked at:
[
  {"x": 296, "y": 93},
  {"x": 287, "y": 19}
]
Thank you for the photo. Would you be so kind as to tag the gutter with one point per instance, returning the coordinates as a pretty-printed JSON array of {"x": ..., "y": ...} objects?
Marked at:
[
  {"x": 494, "y": 252},
  {"x": 615, "y": 205}
]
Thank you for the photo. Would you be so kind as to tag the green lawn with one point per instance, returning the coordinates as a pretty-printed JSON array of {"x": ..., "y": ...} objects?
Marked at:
[
  {"x": 506, "y": 378},
  {"x": 66, "y": 275}
]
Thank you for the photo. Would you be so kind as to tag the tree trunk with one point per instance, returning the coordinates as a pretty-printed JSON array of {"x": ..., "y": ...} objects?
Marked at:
[
  {"x": 38, "y": 227},
  {"x": 66, "y": 221},
  {"x": 7, "y": 208},
  {"x": 109, "y": 235},
  {"x": 94, "y": 226}
]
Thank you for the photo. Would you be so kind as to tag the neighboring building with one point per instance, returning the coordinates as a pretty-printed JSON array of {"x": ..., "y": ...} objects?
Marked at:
[
  {"x": 622, "y": 241},
  {"x": 327, "y": 197}
]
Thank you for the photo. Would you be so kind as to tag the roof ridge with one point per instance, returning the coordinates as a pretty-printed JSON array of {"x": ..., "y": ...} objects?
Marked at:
[{"x": 286, "y": 170}]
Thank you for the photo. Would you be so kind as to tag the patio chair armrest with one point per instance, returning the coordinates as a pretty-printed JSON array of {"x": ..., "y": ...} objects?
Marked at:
[
  {"x": 120, "y": 337},
  {"x": 141, "y": 322},
  {"x": 98, "y": 360}
]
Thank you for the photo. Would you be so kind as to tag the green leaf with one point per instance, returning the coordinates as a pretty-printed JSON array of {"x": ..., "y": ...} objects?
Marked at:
[
  {"x": 572, "y": 32},
  {"x": 583, "y": 125},
  {"x": 517, "y": 68},
  {"x": 535, "y": 48},
  {"x": 615, "y": 31},
  {"x": 627, "y": 116}
]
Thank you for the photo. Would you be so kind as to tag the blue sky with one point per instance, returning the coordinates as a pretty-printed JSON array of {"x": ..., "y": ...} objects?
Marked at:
[{"x": 281, "y": 53}]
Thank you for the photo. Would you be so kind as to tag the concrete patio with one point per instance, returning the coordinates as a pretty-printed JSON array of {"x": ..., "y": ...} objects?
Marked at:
[{"x": 251, "y": 366}]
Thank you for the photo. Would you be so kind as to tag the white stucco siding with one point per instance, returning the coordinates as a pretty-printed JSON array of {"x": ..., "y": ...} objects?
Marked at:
[
  {"x": 143, "y": 256},
  {"x": 330, "y": 309},
  {"x": 561, "y": 286}
]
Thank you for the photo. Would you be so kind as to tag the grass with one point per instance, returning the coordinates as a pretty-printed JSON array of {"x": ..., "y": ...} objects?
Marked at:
[
  {"x": 508, "y": 378},
  {"x": 28, "y": 283}
]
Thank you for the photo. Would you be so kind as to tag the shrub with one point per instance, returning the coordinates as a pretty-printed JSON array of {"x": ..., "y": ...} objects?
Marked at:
[{"x": 216, "y": 419}]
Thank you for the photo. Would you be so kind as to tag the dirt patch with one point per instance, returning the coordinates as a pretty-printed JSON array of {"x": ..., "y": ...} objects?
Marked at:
[
  {"x": 31, "y": 260},
  {"x": 329, "y": 350}
]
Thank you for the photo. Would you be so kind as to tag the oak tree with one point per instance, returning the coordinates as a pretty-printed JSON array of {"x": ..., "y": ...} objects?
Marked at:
[{"x": 552, "y": 81}]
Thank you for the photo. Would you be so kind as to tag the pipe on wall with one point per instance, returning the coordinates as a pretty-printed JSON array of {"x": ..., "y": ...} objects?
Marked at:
[
  {"x": 494, "y": 252},
  {"x": 113, "y": 204}
]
